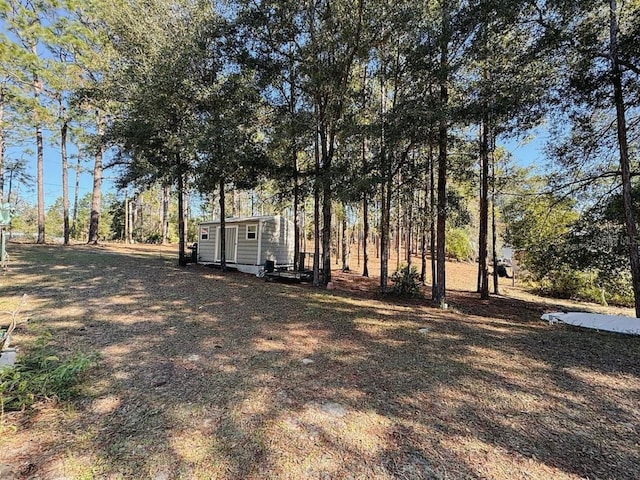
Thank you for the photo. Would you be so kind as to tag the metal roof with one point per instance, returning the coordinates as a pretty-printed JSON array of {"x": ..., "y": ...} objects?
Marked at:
[{"x": 241, "y": 219}]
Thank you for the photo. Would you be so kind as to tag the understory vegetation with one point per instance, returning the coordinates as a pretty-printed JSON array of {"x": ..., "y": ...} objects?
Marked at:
[
  {"x": 566, "y": 254},
  {"x": 406, "y": 281},
  {"x": 585, "y": 286},
  {"x": 41, "y": 374}
]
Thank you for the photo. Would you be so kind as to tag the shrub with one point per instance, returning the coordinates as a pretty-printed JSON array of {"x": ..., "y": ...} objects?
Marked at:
[
  {"x": 458, "y": 245},
  {"x": 618, "y": 288},
  {"x": 406, "y": 282},
  {"x": 41, "y": 375},
  {"x": 154, "y": 238},
  {"x": 586, "y": 285},
  {"x": 564, "y": 283}
]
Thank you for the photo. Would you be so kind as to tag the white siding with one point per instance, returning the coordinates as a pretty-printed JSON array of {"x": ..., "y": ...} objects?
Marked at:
[
  {"x": 247, "y": 249},
  {"x": 277, "y": 241},
  {"x": 274, "y": 241},
  {"x": 207, "y": 248}
]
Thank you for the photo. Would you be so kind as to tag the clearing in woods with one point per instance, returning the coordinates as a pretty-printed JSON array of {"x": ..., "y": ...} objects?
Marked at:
[{"x": 205, "y": 375}]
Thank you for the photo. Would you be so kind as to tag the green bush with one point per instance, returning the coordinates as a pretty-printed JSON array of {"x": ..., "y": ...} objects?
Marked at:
[
  {"x": 586, "y": 285},
  {"x": 41, "y": 375},
  {"x": 406, "y": 282},
  {"x": 458, "y": 245},
  {"x": 154, "y": 238},
  {"x": 564, "y": 283},
  {"x": 618, "y": 288}
]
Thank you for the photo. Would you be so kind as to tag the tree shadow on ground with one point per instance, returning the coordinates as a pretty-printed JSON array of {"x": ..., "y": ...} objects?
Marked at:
[{"x": 226, "y": 376}]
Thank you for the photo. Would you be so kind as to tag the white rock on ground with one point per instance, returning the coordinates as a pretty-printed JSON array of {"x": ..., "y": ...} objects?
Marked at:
[{"x": 7, "y": 358}]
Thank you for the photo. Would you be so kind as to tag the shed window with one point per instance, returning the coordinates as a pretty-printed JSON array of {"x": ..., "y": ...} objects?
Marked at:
[
  {"x": 252, "y": 232},
  {"x": 204, "y": 233}
]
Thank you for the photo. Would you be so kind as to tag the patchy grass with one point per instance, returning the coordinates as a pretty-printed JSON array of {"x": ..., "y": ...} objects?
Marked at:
[
  {"x": 201, "y": 375},
  {"x": 40, "y": 375}
]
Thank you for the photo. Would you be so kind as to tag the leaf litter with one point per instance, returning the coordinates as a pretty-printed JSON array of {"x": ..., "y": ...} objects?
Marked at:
[{"x": 209, "y": 375}]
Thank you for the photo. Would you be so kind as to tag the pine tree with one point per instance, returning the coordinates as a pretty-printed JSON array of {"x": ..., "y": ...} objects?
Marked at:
[{"x": 597, "y": 94}]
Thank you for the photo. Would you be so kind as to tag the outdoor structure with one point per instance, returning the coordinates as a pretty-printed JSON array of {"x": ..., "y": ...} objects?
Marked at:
[{"x": 249, "y": 242}]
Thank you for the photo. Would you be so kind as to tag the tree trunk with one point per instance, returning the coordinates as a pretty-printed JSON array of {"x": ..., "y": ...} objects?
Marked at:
[
  {"x": 10, "y": 186},
  {"x": 384, "y": 237},
  {"x": 127, "y": 225},
  {"x": 345, "y": 248},
  {"x": 409, "y": 229},
  {"x": 74, "y": 221},
  {"x": 359, "y": 238},
  {"x": 296, "y": 214},
  {"x": 234, "y": 203},
  {"x": 2, "y": 143},
  {"x": 385, "y": 194},
  {"x": 294, "y": 160},
  {"x": 365, "y": 234},
  {"x": 182, "y": 231},
  {"x": 423, "y": 250},
  {"x": 316, "y": 234},
  {"x": 223, "y": 228},
  {"x": 385, "y": 227},
  {"x": 442, "y": 158},
  {"x": 326, "y": 231},
  {"x": 326, "y": 145},
  {"x": 165, "y": 214},
  {"x": 316, "y": 206},
  {"x": 432, "y": 221},
  {"x": 496, "y": 289},
  {"x": 441, "y": 218},
  {"x": 494, "y": 252},
  {"x": 632, "y": 229},
  {"x": 398, "y": 227},
  {"x": 483, "y": 271},
  {"x": 140, "y": 217},
  {"x": 337, "y": 249},
  {"x": 365, "y": 196},
  {"x": 133, "y": 208},
  {"x": 37, "y": 87},
  {"x": 65, "y": 177},
  {"x": 96, "y": 197}
]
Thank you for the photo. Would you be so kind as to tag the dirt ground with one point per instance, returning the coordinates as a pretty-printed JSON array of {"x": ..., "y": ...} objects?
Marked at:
[{"x": 225, "y": 376}]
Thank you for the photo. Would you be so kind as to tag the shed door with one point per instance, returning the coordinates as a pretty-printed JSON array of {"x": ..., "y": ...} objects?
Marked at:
[{"x": 230, "y": 244}]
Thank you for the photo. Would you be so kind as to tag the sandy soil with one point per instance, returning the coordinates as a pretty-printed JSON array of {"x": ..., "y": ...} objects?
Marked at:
[{"x": 210, "y": 375}]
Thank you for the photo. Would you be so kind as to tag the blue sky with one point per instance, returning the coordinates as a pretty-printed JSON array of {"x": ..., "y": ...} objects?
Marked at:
[
  {"x": 529, "y": 152},
  {"x": 53, "y": 173}
]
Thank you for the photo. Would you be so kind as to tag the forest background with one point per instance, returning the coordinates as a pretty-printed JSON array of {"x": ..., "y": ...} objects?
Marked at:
[{"x": 373, "y": 125}]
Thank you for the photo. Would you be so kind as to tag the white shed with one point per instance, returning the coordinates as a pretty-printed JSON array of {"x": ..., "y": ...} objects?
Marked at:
[{"x": 249, "y": 242}]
